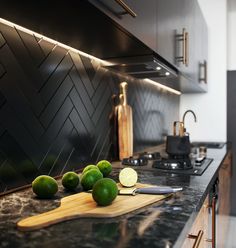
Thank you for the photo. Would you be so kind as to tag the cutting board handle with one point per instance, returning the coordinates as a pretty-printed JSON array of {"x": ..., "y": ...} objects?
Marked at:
[
  {"x": 45, "y": 219},
  {"x": 123, "y": 90}
]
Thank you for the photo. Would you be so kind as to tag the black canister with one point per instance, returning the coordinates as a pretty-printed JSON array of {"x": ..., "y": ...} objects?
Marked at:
[{"x": 178, "y": 145}]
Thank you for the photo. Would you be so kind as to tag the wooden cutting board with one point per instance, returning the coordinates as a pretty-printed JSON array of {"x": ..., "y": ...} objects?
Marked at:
[
  {"x": 125, "y": 125},
  {"x": 82, "y": 205}
]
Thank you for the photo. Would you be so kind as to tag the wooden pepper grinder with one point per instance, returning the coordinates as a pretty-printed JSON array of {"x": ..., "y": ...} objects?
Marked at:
[{"x": 125, "y": 124}]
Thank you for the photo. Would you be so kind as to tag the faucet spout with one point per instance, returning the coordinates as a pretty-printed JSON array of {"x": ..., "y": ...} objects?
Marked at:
[
  {"x": 190, "y": 111},
  {"x": 185, "y": 113}
]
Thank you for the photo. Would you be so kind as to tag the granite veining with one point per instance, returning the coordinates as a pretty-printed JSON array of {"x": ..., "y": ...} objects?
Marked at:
[{"x": 163, "y": 224}]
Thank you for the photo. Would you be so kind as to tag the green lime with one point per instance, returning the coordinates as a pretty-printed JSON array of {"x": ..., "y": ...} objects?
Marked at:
[
  {"x": 90, "y": 177},
  {"x": 44, "y": 186},
  {"x": 104, "y": 191},
  {"x": 70, "y": 180},
  {"x": 105, "y": 167},
  {"x": 89, "y": 167}
]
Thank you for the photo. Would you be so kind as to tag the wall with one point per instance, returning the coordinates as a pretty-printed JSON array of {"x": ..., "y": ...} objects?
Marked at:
[
  {"x": 55, "y": 106},
  {"x": 210, "y": 108}
]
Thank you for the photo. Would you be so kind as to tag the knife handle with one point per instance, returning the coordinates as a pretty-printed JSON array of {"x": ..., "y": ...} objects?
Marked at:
[{"x": 158, "y": 191}]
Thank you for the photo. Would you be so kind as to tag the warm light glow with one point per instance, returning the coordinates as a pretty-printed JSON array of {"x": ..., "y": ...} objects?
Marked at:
[
  {"x": 162, "y": 86},
  {"x": 103, "y": 62},
  {"x": 158, "y": 68},
  {"x": 167, "y": 73},
  {"x": 40, "y": 36}
]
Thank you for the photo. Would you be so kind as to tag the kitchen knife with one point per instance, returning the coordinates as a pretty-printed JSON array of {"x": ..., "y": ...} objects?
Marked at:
[{"x": 150, "y": 190}]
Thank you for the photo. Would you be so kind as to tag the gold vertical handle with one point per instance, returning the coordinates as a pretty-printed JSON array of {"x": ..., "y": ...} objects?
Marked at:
[
  {"x": 204, "y": 66},
  {"x": 197, "y": 238},
  {"x": 184, "y": 38},
  {"x": 213, "y": 224},
  {"x": 126, "y": 8},
  {"x": 186, "y": 44},
  {"x": 205, "y": 71}
]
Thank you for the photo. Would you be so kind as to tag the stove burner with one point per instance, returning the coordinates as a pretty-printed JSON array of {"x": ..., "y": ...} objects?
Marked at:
[
  {"x": 150, "y": 155},
  {"x": 173, "y": 164},
  {"x": 135, "y": 161},
  {"x": 142, "y": 159}
]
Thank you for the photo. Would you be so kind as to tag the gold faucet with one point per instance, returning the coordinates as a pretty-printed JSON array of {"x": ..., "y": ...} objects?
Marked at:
[{"x": 194, "y": 115}]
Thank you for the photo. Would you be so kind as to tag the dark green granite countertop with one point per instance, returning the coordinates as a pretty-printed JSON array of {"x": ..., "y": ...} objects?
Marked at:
[{"x": 163, "y": 224}]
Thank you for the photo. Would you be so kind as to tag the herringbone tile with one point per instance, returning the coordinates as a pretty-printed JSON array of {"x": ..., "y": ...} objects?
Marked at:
[
  {"x": 2, "y": 70},
  {"x": 55, "y": 106},
  {"x": 2, "y": 40}
]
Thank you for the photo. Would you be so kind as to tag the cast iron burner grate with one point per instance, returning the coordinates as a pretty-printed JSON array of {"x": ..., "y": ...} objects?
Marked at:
[
  {"x": 173, "y": 164},
  {"x": 182, "y": 167},
  {"x": 142, "y": 159}
]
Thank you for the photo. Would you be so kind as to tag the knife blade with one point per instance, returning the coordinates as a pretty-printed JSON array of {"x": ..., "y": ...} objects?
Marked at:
[{"x": 150, "y": 190}]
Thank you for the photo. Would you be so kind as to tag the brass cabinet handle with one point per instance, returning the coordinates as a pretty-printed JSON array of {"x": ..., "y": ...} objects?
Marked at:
[
  {"x": 184, "y": 38},
  {"x": 186, "y": 43},
  {"x": 204, "y": 67},
  {"x": 126, "y": 8},
  {"x": 197, "y": 238},
  {"x": 213, "y": 224}
]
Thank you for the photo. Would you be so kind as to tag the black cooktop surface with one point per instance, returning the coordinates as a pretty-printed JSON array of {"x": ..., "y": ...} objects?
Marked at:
[{"x": 174, "y": 165}]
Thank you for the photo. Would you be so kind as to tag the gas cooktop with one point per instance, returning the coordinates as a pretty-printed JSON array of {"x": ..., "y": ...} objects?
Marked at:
[{"x": 176, "y": 165}]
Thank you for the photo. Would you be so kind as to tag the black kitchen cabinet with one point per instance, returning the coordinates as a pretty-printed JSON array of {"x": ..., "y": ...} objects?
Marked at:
[
  {"x": 176, "y": 30},
  {"x": 170, "y": 24},
  {"x": 143, "y": 25},
  {"x": 79, "y": 25},
  {"x": 159, "y": 24},
  {"x": 182, "y": 41}
]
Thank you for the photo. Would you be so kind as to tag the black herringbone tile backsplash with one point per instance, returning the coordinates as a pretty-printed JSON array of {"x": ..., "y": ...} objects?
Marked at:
[{"x": 55, "y": 106}]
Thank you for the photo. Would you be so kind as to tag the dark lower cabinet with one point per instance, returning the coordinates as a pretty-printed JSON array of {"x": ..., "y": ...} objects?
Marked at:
[
  {"x": 198, "y": 233},
  {"x": 210, "y": 227}
]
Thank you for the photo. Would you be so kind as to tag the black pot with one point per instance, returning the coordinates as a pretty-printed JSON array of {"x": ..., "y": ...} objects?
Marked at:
[{"x": 178, "y": 145}]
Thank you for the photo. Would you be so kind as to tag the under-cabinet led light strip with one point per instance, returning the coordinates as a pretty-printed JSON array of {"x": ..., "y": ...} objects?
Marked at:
[
  {"x": 103, "y": 62},
  {"x": 162, "y": 86},
  {"x": 40, "y": 36}
]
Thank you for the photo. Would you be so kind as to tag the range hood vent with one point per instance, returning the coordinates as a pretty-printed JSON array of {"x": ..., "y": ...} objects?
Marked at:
[{"x": 146, "y": 66}]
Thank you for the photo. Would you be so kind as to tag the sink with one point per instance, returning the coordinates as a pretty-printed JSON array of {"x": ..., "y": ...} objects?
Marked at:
[{"x": 213, "y": 145}]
